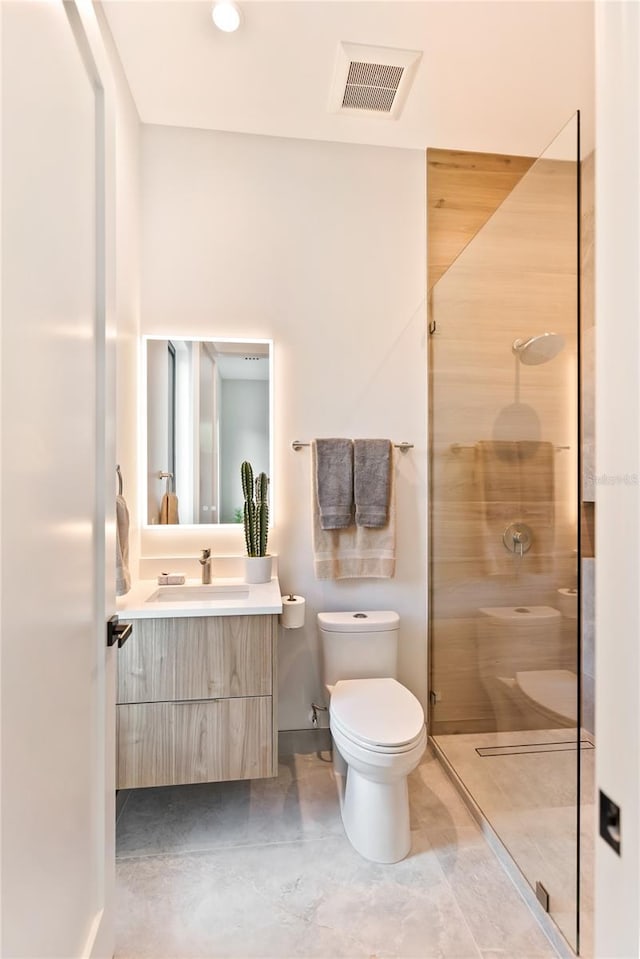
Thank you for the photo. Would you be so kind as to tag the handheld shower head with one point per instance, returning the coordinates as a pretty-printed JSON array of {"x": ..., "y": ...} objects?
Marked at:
[{"x": 538, "y": 349}]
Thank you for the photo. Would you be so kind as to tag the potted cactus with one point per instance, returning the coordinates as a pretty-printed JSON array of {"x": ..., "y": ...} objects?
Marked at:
[{"x": 256, "y": 525}]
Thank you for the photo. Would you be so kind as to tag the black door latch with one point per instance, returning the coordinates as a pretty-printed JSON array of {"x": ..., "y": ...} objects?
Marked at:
[{"x": 118, "y": 632}]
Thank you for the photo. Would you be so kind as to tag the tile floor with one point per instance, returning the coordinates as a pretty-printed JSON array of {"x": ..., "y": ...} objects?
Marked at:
[
  {"x": 530, "y": 801},
  {"x": 263, "y": 869}
]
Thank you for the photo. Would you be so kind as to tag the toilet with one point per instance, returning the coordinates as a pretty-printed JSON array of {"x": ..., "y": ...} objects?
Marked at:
[
  {"x": 523, "y": 664},
  {"x": 377, "y": 727}
]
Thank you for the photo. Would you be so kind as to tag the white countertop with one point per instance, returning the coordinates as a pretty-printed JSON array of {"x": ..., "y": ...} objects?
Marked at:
[{"x": 263, "y": 598}]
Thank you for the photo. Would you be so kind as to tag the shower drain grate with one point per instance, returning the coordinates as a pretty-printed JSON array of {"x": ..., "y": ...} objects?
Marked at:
[{"x": 521, "y": 749}]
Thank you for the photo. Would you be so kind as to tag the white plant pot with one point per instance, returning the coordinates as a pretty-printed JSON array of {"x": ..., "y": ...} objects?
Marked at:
[{"x": 257, "y": 569}]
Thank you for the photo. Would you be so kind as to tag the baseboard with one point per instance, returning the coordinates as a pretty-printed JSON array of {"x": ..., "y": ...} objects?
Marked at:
[
  {"x": 303, "y": 741},
  {"x": 449, "y": 727}
]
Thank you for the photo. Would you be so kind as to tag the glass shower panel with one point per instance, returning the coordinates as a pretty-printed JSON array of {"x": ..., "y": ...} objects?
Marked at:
[{"x": 504, "y": 622}]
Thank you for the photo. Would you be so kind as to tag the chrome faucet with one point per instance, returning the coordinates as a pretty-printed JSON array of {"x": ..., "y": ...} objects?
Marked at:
[{"x": 205, "y": 562}]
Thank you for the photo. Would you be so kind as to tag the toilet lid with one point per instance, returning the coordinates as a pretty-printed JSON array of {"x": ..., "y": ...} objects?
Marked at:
[{"x": 378, "y": 712}]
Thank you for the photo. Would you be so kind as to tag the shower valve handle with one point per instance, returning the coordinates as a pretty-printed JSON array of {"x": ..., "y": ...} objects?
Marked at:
[{"x": 518, "y": 538}]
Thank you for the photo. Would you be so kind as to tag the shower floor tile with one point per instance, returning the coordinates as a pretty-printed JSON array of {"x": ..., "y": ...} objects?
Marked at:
[
  {"x": 529, "y": 798},
  {"x": 263, "y": 869}
]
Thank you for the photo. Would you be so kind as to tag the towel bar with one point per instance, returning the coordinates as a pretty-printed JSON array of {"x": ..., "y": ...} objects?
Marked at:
[
  {"x": 169, "y": 478},
  {"x": 404, "y": 447},
  {"x": 458, "y": 447}
]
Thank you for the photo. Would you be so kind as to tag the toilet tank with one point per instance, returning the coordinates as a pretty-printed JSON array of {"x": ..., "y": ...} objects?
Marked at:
[
  {"x": 514, "y": 638},
  {"x": 359, "y": 645}
]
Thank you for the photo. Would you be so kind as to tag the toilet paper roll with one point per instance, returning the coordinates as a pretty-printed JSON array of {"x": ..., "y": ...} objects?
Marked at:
[
  {"x": 292, "y": 616},
  {"x": 567, "y": 600}
]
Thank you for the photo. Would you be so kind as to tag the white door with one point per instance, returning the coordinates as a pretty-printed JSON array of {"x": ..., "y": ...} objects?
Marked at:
[{"x": 57, "y": 674}]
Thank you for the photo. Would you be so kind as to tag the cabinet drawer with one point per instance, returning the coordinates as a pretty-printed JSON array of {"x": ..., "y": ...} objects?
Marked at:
[
  {"x": 200, "y": 657},
  {"x": 162, "y": 744}
]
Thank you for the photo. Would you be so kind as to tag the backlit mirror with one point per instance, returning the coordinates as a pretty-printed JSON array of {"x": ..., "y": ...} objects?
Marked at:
[{"x": 208, "y": 408}]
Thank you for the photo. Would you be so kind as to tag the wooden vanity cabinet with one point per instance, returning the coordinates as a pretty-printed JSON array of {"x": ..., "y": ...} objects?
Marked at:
[{"x": 197, "y": 701}]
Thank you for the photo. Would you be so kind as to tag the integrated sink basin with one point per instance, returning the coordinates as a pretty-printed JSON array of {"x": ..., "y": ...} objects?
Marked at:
[
  {"x": 198, "y": 594},
  {"x": 223, "y": 597}
]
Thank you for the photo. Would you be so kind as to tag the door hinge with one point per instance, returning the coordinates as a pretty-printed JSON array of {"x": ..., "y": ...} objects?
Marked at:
[
  {"x": 434, "y": 697},
  {"x": 542, "y": 896}
]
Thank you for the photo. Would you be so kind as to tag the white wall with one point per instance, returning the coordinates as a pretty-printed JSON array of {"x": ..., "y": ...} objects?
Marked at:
[
  {"x": 244, "y": 435},
  {"x": 618, "y": 467},
  {"x": 127, "y": 290},
  {"x": 157, "y": 405},
  {"x": 207, "y": 430},
  {"x": 323, "y": 247}
]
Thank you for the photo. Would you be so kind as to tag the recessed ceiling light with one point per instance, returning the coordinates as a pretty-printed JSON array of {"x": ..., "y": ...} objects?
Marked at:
[{"x": 226, "y": 16}]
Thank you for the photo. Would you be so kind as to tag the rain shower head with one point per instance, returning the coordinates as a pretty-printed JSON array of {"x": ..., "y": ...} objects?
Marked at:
[{"x": 538, "y": 349}]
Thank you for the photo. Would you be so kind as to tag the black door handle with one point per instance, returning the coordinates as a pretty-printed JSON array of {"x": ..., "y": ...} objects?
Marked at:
[{"x": 118, "y": 632}]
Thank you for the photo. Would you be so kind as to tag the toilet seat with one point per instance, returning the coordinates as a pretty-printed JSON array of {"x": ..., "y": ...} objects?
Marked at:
[
  {"x": 380, "y": 715},
  {"x": 336, "y": 729}
]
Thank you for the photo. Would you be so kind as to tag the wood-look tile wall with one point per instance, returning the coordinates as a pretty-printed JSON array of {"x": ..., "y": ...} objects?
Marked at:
[
  {"x": 517, "y": 278},
  {"x": 463, "y": 191}
]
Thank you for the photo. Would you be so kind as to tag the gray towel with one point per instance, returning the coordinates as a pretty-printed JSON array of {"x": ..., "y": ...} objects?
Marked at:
[
  {"x": 357, "y": 552},
  {"x": 123, "y": 576},
  {"x": 371, "y": 481},
  {"x": 334, "y": 482}
]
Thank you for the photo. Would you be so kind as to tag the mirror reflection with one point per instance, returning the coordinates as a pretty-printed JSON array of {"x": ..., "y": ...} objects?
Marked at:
[{"x": 208, "y": 409}]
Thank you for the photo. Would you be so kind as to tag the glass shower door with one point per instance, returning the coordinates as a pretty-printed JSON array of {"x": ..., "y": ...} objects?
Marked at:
[{"x": 504, "y": 510}]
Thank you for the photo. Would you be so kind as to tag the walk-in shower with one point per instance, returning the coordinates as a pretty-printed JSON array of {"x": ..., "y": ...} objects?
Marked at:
[{"x": 505, "y": 541}]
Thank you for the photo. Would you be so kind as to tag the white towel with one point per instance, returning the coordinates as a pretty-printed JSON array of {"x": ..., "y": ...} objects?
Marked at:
[
  {"x": 359, "y": 552},
  {"x": 123, "y": 576},
  {"x": 169, "y": 509}
]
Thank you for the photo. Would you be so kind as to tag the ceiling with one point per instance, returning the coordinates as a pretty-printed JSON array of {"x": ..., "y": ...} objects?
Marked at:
[{"x": 494, "y": 76}]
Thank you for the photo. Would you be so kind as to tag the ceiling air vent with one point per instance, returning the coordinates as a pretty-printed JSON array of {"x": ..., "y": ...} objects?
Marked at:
[{"x": 372, "y": 80}]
